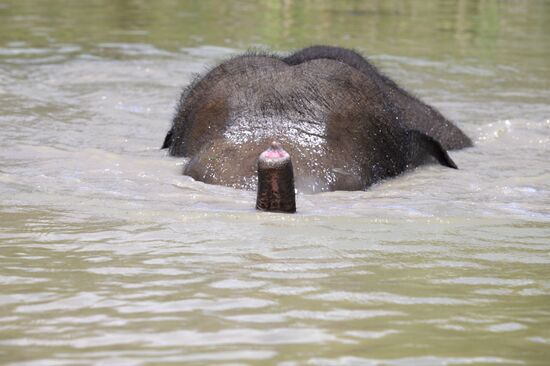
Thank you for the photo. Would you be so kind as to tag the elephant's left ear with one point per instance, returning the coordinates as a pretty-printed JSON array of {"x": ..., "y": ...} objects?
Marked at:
[{"x": 422, "y": 146}]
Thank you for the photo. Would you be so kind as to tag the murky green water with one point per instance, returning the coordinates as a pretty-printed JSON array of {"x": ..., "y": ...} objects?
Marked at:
[{"x": 109, "y": 256}]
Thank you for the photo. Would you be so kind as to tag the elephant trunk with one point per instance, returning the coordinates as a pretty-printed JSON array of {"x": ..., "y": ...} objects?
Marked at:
[{"x": 275, "y": 181}]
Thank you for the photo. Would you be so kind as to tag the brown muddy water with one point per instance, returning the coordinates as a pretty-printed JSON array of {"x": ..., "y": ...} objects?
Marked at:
[{"x": 109, "y": 256}]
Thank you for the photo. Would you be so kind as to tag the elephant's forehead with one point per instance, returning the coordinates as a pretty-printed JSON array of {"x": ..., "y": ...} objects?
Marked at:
[
  {"x": 245, "y": 128},
  {"x": 294, "y": 111}
]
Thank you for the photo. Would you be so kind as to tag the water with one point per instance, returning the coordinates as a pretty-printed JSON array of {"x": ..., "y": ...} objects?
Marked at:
[{"x": 108, "y": 255}]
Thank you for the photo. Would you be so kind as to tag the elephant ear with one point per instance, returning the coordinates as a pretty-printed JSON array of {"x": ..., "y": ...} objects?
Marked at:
[
  {"x": 423, "y": 146},
  {"x": 168, "y": 139}
]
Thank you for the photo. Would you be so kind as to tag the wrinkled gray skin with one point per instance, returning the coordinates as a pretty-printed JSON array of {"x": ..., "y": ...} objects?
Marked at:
[{"x": 345, "y": 125}]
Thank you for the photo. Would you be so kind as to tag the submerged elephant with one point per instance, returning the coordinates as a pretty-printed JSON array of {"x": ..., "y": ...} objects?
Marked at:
[{"x": 345, "y": 125}]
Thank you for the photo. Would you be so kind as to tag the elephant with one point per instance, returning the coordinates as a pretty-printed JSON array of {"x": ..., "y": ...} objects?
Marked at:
[{"x": 321, "y": 119}]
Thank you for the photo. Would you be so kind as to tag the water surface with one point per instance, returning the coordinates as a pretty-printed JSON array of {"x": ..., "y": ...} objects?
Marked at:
[{"x": 108, "y": 255}]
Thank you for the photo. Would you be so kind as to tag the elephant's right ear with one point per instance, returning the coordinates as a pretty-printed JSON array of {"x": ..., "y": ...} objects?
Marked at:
[
  {"x": 422, "y": 146},
  {"x": 168, "y": 139}
]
